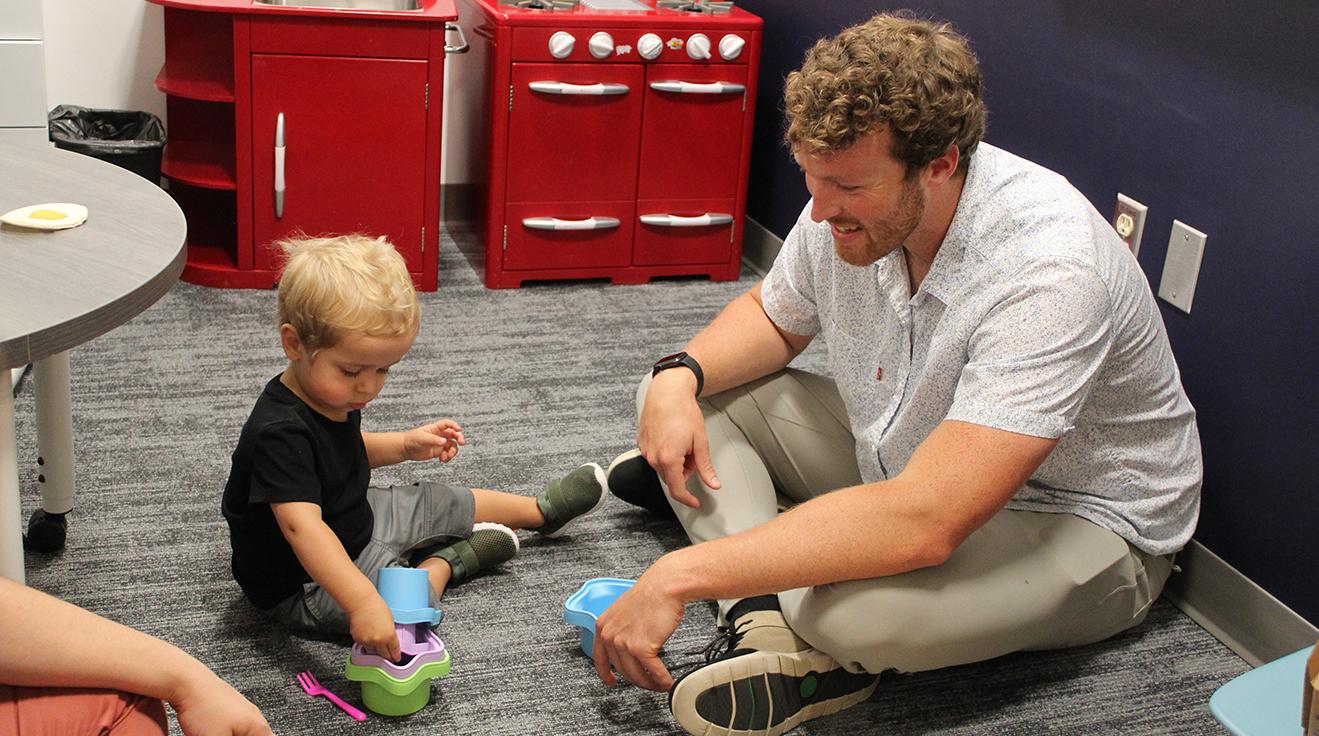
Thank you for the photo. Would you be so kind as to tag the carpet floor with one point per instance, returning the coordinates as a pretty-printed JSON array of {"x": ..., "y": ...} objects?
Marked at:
[{"x": 542, "y": 379}]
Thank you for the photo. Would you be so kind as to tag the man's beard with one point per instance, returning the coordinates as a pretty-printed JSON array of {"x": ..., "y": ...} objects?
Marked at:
[{"x": 883, "y": 238}]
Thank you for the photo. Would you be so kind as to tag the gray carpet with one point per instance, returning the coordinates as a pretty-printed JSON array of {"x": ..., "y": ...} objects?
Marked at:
[{"x": 542, "y": 379}]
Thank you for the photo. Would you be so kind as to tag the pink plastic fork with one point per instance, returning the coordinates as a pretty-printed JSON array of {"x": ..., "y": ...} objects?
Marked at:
[{"x": 312, "y": 687}]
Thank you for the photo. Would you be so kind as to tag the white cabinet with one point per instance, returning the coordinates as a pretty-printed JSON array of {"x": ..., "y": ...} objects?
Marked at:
[{"x": 23, "y": 84}]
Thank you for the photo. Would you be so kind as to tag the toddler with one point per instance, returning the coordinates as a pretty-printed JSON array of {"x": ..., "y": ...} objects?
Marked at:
[{"x": 308, "y": 531}]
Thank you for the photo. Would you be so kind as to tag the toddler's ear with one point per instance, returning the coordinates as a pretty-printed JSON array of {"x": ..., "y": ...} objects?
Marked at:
[{"x": 288, "y": 339}]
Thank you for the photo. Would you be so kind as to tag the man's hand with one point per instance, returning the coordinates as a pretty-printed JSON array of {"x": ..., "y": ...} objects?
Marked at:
[
  {"x": 371, "y": 624},
  {"x": 439, "y": 440},
  {"x": 630, "y": 633},
  {"x": 671, "y": 435}
]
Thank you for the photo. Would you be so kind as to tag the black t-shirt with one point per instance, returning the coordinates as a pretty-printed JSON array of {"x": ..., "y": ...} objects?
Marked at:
[{"x": 289, "y": 452}]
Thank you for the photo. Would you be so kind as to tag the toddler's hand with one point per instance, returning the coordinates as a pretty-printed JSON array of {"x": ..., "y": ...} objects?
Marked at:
[
  {"x": 372, "y": 626},
  {"x": 439, "y": 440}
]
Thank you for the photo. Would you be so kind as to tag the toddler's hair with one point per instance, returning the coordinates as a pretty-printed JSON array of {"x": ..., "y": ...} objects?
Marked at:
[{"x": 332, "y": 286}]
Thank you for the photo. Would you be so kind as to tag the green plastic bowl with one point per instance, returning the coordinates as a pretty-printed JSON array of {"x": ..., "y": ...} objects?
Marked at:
[{"x": 382, "y": 701}]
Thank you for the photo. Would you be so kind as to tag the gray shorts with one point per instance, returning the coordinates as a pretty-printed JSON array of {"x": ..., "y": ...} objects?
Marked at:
[{"x": 407, "y": 519}]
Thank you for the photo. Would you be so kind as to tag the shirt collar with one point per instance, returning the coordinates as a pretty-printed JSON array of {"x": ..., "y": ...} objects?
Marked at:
[{"x": 946, "y": 274}]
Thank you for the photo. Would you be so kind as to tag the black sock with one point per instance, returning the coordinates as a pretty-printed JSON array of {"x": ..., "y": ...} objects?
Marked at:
[{"x": 758, "y": 603}]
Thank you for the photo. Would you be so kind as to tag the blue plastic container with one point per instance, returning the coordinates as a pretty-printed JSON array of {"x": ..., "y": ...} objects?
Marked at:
[
  {"x": 585, "y": 606},
  {"x": 406, "y": 591}
]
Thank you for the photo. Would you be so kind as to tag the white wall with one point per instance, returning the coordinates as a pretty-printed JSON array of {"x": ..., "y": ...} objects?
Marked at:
[{"x": 104, "y": 53}]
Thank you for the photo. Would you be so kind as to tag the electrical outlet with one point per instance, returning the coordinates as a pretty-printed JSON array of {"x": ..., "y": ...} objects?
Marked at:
[
  {"x": 1181, "y": 269},
  {"x": 1129, "y": 221}
]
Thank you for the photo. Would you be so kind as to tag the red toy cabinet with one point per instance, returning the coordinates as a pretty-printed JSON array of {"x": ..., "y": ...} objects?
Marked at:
[
  {"x": 614, "y": 136},
  {"x": 287, "y": 119}
]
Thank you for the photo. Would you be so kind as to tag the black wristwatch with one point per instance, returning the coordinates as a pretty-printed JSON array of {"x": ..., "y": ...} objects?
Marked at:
[{"x": 681, "y": 359}]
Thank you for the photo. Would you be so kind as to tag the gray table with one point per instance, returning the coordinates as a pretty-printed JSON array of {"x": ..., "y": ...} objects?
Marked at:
[{"x": 59, "y": 289}]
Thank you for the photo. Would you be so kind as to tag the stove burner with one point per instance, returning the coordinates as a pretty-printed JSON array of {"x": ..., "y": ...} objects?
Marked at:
[
  {"x": 543, "y": 4},
  {"x": 696, "y": 6}
]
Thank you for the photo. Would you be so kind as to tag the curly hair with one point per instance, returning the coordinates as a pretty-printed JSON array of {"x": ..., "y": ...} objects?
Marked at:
[
  {"x": 330, "y": 287},
  {"x": 918, "y": 77}
]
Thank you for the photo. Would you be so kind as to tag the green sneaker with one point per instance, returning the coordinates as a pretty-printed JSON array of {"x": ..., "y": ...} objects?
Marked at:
[
  {"x": 571, "y": 497},
  {"x": 490, "y": 546}
]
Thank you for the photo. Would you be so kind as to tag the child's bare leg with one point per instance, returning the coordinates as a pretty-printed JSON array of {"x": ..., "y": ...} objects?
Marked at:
[
  {"x": 509, "y": 509},
  {"x": 439, "y": 572}
]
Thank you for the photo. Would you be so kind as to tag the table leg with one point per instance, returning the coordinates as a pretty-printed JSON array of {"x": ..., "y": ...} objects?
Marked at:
[
  {"x": 55, "y": 433},
  {"x": 11, "y": 536}
]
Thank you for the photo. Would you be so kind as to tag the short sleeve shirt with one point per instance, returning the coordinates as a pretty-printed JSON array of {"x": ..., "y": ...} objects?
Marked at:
[
  {"x": 287, "y": 451},
  {"x": 1034, "y": 318}
]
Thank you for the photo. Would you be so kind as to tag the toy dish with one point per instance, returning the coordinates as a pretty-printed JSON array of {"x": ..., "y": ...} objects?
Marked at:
[
  {"x": 585, "y": 606},
  {"x": 53, "y": 216}
]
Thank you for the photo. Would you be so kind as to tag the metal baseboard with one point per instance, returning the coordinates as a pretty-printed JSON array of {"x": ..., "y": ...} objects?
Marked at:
[
  {"x": 1236, "y": 611},
  {"x": 759, "y": 246}
]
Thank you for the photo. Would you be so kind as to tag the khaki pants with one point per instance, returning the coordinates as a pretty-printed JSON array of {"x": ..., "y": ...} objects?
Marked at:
[{"x": 1024, "y": 580}]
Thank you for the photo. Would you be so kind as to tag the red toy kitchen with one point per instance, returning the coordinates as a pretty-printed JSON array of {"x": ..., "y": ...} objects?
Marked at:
[{"x": 610, "y": 138}]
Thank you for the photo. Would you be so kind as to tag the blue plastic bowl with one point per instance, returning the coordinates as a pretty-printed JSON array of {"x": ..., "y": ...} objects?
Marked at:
[{"x": 585, "y": 606}]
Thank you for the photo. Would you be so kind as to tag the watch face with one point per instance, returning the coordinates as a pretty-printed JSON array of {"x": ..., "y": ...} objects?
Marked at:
[{"x": 670, "y": 361}]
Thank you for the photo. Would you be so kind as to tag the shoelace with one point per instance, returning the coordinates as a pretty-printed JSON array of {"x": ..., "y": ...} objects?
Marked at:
[{"x": 725, "y": 640}]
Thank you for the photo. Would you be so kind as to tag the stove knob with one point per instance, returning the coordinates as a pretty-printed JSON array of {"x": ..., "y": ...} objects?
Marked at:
[
  {"x": 698, "y": 46},
  {"x": 730, "y": 46},
  {"x": 602, "y": 45},
  {"x": 561, "y": 44},
  {"x": 650, "y": 46}
]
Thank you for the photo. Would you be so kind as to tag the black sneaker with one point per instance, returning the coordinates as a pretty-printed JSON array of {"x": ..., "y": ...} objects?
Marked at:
[
  {"x": 743, "y": 690},
  {"x": 632, "y": 479}
]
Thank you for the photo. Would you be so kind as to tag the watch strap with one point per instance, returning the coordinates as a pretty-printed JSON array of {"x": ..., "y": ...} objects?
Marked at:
[{"x": 684, "y": 360}]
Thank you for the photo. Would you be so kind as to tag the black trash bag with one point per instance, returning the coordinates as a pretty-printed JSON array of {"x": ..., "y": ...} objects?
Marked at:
[{"x": 131, "y": 139}]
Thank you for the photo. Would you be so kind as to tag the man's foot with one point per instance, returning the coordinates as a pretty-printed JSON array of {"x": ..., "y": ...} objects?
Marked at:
[
  {"x": 490, "y": 546},
  {"x": 632, "y": 479},
  {"x": 766, "y": 680},
  {"x": 571, "y": 497}
]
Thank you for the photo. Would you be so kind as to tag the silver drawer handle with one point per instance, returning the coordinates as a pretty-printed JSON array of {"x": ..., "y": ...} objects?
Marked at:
[
  {"x": 462, "y": 46},
  {"x": 567, "y": 88},
  {"x": 279, "y": 166},
  {"x": 554, "y": 223},
  {"x": 709, "y": 218},
  {"x": 698, "y": 88}
]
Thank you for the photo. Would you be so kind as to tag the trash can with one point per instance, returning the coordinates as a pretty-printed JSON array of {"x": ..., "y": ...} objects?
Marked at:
[{"x": 129, "y": 138}]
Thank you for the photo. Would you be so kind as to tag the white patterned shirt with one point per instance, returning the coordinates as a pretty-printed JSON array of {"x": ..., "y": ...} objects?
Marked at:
[{"x": 1035, "y": 319}]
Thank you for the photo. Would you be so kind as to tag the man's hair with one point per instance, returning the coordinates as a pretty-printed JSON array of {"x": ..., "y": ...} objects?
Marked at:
[
  {"x": 334, "y": 286},
  {"x": 918, "y": 77}
]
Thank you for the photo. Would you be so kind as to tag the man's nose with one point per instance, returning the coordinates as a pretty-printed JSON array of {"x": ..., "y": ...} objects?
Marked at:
[{"x": 822, "y": 206}]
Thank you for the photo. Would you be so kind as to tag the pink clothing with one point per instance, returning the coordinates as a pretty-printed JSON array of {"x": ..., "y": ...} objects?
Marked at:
[{"x": 61, "y": 711}]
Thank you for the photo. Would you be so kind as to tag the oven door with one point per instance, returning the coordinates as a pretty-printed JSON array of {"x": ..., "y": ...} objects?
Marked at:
[
  {"x": 691, "y": 141},
  {"x": 573, "y": 132}
]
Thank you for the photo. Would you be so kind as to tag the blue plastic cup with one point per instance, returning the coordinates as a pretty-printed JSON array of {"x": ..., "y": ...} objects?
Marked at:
[{"x": 404, "y": 588}]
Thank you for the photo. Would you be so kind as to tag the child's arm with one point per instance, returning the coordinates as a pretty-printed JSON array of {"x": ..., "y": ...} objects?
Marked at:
[
  {"x": 324, "y": 558},
  {"x": 437, "y": 440}
]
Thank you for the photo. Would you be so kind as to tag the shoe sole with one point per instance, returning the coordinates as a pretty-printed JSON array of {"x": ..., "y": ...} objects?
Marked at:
[
  {"x": 604, "y": 494},
  {"x": 478, "y": 526},
  {"x": 633, "y": 453},
  {"x": 750, "y": 667}
]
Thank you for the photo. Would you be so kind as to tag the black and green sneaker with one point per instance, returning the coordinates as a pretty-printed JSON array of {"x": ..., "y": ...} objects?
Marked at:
[
  {"x": 489, "y": 546},
  {"x": 745, "y": 688},
  {"x": 571, "y": 497}
]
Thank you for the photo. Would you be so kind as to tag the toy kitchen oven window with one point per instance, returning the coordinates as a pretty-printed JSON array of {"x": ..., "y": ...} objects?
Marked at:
[{"x": 613, "y": 136}]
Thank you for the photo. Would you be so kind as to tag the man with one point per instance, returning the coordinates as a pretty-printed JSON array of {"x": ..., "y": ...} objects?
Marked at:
[{"x": 1007, "y": 460}]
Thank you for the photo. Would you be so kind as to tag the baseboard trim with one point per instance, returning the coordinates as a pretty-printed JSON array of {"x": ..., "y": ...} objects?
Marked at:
[
  {"x": 1236, "y": 611},
  {"x": 759, "y": 246}
]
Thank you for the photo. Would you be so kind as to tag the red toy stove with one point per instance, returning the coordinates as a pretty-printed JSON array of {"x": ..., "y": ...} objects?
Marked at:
[{"x": 616, "y": 138}]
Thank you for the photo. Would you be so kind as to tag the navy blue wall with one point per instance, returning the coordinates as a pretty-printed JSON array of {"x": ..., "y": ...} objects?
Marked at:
[{"x": 1207, "y": 112}]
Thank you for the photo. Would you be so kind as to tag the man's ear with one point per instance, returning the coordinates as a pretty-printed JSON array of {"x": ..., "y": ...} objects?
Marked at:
[
  {"x": 288, "y": 339},
  {"x": 940, "y": 170}
]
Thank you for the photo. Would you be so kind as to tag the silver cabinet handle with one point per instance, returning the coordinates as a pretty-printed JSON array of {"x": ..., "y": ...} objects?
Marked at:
[
  {"x": 279, "y": 166},
  {"x": 462, "y": 46},
  {"x": 567, "y": 88},
  {"x": 554, "y": 223},
  {"x": 698, "y": 88},
  {"x": 709, "y": 218}
]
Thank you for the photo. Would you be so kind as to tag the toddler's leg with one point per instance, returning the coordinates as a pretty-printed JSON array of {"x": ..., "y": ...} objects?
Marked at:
[
  {"x": 563, "y": 501},
  {"x": 509, "y": 509}
]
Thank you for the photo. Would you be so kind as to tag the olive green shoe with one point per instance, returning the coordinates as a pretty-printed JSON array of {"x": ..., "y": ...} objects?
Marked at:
[
  {"x": 490, "y": 546},
  {"x": 571, "y": 497}
]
